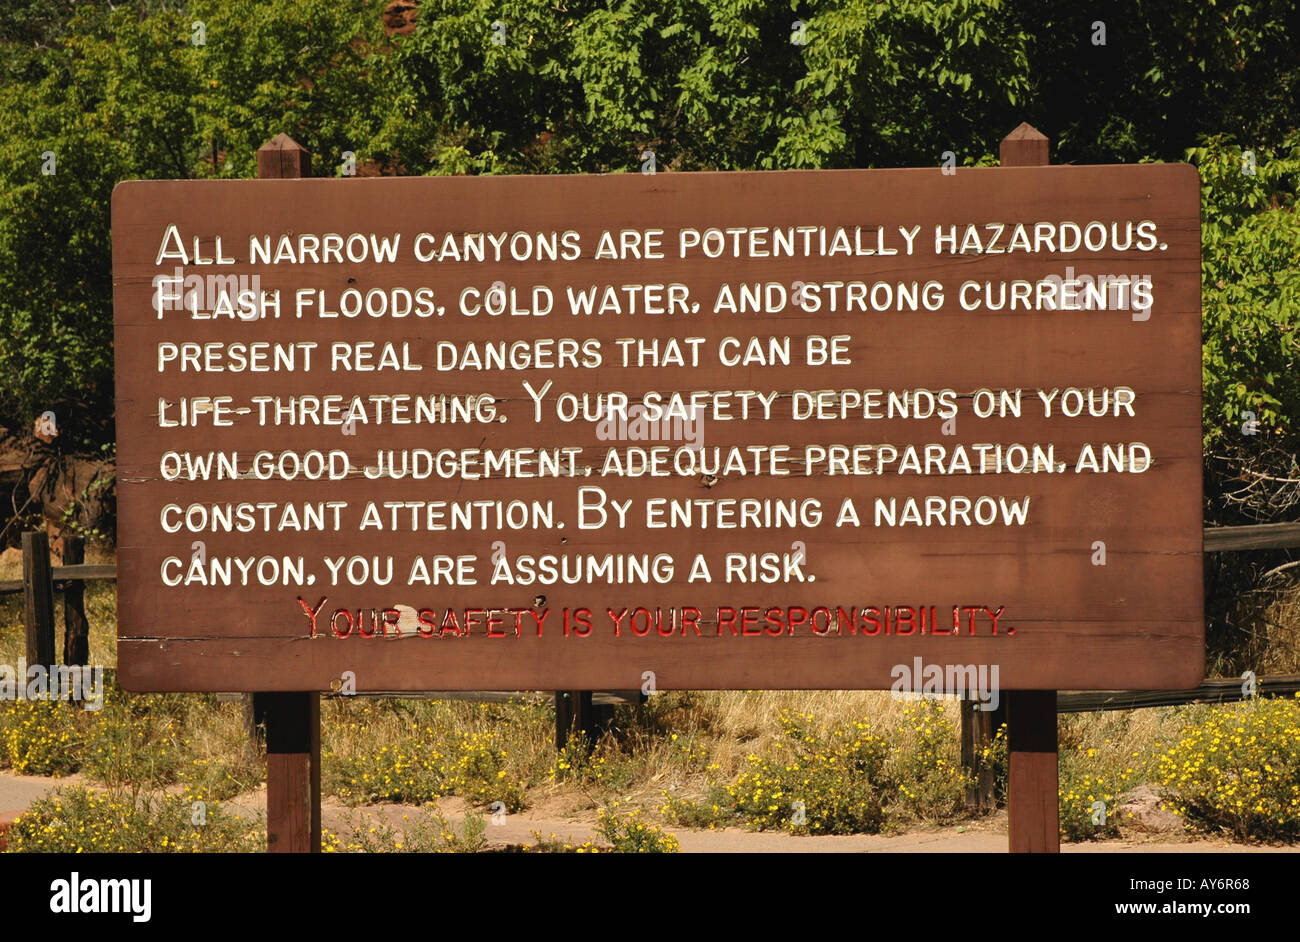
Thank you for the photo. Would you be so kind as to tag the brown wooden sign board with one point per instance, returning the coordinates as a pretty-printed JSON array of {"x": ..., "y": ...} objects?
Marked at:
[{"x": 1064, "y": 547}]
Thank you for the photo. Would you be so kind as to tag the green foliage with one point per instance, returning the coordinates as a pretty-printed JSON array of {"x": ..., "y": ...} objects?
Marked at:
[
  {"x": 1250, "y": 263},
  {"x": 1169, "y": 74},
  {"x": 1238, "y": 771},
  {"x": 628, "y": 833},
  {"x": 96, "y": 490},
  {"x": 815, "y": 781},
  {"x": 706, "y": 86},
  {"x": 81, "y": 820},
  {"x": 124, "y": 93}
]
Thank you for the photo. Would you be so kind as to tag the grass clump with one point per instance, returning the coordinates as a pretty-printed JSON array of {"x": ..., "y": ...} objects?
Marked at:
[
  {"x": 429, "y": 833},
  {"x": 555, "y": 845},
  {"x": 850, "y": 777},
  {"x": 926, "y": 780},
  {"x": 628, "y": 833},
  {"x": 137, "y": 742},
  {"x": 418, "y": 751},
  {"x": 81, "y": 820},
  {"x": 1087, "y": 799},
  {"x": 815, "y": 781}
]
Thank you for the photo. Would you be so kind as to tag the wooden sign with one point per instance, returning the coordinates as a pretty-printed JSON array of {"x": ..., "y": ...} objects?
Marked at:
[{"x": 715, "y": 430}]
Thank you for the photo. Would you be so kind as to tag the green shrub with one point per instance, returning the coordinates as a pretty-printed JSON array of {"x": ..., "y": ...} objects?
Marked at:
[
  {"x": 627, "y": 833},
  {"x": 478, "y": 772},
  {"x": 1238, "y": 771},
  {"x": 1250, "y": 268},
  {"x": 40, "y": 737},
  {"x": 81, "y": 820},
  {"x": 412, "y": 774},
  {"x": 1087, "y": 799},
  {"x": 420, "y": 769},
  {"x": 925, "y": 766},
  {"x": 815, "y": 781}
]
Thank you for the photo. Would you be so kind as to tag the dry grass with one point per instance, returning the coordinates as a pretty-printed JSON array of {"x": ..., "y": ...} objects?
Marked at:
[
  {"x": 740, "y": 722},
  {"x": 1281, "y": 651},
  {"x": 101, "y": 611},
  {"x": 523, "y": 729},
  {"x": 1122, "y": 742}
]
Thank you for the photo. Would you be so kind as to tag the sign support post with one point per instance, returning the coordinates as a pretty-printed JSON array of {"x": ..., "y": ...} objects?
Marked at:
[
  {"x": 1033, "y": 810},
  {"x": 292, "y": 719},
  {"x": 292, "y": 772}
]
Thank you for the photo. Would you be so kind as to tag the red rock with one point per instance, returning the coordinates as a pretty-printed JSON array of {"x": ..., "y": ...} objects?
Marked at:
[
  {"x": 399, "y": 17},
  {"x": 7, "y": 818}
]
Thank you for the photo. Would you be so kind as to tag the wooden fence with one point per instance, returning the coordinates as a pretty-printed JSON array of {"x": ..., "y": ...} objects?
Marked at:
[{"x": 591, "y": 711}]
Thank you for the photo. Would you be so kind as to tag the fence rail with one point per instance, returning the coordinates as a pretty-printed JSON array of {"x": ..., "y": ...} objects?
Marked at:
[
  {"x": 1255, "y": 537},
  {"x": 1220, "y": 690},
  {"x": 82, "y": 572}
]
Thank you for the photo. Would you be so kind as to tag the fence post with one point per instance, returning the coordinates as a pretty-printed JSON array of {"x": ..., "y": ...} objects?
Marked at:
[
  {"x": 572, "y": 713},
  {"x": 1033, "y": 809},
  {"x": 575, "y": 710},
  {"x": 76, "y": 627},
  {"x": 38, "y": 600},
  {"x": 978, "y": 729},
  {"x": 292, "y": 718}
]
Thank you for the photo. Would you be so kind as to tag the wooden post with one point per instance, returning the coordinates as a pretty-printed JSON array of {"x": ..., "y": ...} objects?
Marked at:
[
  {"x": 292, "y": 771},
  {"x": 1026, "y": 146},
  {"x": 76, "y": 628},
  {"x": 573, "y": 711},
  {"x": 38, "y": 600},
  {"x": 292, "y": 718},
  {"x": 1033, "y": 810},
  {"x": 282, "y": 158},
  {"x": 977, "y": 732},
  {"x": 576, "y": 710}
]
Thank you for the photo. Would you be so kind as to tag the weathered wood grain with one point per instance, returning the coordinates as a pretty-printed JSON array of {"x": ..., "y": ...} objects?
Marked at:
[{"x": 1136, "y": 622}]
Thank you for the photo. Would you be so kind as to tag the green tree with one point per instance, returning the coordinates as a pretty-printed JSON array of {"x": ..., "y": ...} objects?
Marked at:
[
  {"x": 1168, "y": 74},
  {"x": 128, "y": 93},
  {"x": 1250, "y": 263},
  {"x": 726, "y": 85}
]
